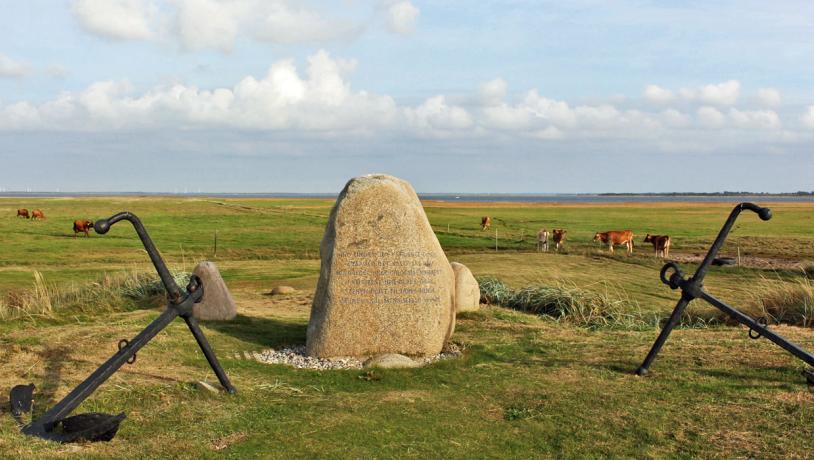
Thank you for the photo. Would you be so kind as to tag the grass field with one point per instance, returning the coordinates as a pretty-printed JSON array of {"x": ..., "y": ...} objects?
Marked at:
[{"x": 526, "y": 386}]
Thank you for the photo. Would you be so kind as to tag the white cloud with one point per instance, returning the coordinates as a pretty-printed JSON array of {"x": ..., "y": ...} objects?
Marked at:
[
  {"x": 769, "y": 97},
  {"x": 282, "y": 100},
  {"x": 674, "y": 119},
  {"x": 721, "y": 94},
  {"x": 710, "y": 117},
  {"x": 808, "y": 117},
  {"x": 435, "y": 116},
  {"x": 402, "y": 17},
  {"x": 210, "y": 24},
  {"x": 203, "y": 24},
  {"x": 755, "y": 119},
  {"x": 658, "y": 95},
  {"x": 281, "y": 23},
  {"x": 10, "y": 68},
  {"x": 117, "y": 19}
]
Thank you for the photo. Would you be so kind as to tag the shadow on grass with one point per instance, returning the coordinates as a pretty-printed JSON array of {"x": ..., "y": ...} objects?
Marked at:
[
  {"x": 768, "y": 374},
  {"x": 266, "y": 332}
]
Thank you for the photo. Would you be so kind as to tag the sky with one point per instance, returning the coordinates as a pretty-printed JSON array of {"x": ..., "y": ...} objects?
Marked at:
[{"x": 512, "y": 96}]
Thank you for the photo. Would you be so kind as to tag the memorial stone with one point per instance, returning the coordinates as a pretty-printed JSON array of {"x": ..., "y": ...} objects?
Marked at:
[{"x": 385, "y": 285}]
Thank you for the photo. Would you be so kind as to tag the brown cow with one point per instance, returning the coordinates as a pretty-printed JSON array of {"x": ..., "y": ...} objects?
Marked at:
[
  {"x": 485, "y": 222},
  {"x": 37, "y": 214},
  {"x": 614, "y": 237},
  {"x": 22, "y": 212},
  {"x": 82, "y": 226},
  {"x": 661, "y": 244},
  {"x": 558, "y": 236}
]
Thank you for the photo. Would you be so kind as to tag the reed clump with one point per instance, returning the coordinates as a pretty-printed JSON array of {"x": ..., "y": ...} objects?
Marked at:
[
  {"x": 790, "y": 302},
  {"x": 112, "y": 292},
  {"x": 607, "y": 307}
]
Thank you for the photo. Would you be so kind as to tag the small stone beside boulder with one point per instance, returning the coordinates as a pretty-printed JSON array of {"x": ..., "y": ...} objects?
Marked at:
[
  {"x": 217, "y": 303},
  {"x": 467, "y": 290},
  {"x": 283, "y": 290},
  {"x": 390, "y": 361}
]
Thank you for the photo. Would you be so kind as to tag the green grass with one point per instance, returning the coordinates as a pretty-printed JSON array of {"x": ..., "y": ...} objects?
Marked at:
[{"x": 526, "y": 386}]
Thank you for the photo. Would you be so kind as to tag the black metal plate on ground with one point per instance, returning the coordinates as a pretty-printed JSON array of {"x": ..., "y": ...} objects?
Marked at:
[
  {"x": 21, "y": 399},
  {"x": 92, "y": 427}
]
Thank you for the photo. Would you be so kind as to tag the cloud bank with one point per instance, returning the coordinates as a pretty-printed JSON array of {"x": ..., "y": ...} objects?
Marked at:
[
  {"x": 218, "y": 24},
  {"x": 319, "y": 100}
]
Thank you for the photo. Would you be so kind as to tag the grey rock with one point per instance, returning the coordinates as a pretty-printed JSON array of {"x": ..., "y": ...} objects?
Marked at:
[
  {"x": 390, "y": 361},
  {"x": 467, "y": 290},
  {"x": 282, "y": 290},
  {"x": 217, "y": 302},
  {"x": 206, "y": 387}
]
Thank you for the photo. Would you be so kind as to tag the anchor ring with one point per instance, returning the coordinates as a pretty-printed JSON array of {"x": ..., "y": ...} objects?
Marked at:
[
  {"x": 762, "y": 321},
  {"x": 124, "y": 343},
  {"x": 674, "y": 278}
]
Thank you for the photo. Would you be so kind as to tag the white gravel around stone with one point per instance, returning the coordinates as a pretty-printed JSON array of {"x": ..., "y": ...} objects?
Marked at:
[{"x": 295, "y": 356}]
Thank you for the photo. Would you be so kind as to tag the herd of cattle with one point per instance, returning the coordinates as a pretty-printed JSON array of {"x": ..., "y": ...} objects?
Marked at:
[
  {"x": 79, "y": 226},
  {"x": 661, "y": 243}
]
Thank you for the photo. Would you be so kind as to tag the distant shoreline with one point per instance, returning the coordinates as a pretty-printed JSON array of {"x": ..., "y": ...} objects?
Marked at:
[{"x": 717, "y": 197}]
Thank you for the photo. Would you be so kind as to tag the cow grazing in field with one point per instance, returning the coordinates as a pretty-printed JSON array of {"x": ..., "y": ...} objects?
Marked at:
[
  {"x": 485, "y": 222},
  {"x": 37, "y": 214},
  {"x": 615, "y": 237},
  {"x": 661, "y": 244},
  {"x": 82, "y": 226},
  {"x": 542, "y": 240},
  {"x": 22, "y": 212},
  {"x": 558, "y": 236}
]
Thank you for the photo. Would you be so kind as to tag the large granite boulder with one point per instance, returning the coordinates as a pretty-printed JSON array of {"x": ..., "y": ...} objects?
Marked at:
[
  {"x": 385, "y": 285},
  {"x": 217, "y": 303},
  {"x": 467, "y": 289}
]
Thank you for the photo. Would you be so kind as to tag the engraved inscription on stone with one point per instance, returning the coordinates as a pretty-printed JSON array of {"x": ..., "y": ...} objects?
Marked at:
[{"x": 382, "y": 277}]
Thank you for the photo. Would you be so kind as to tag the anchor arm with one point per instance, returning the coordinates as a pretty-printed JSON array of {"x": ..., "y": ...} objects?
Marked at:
[
  {"x": 764, "y": 213},
  {"x": 761, "y": 329}
]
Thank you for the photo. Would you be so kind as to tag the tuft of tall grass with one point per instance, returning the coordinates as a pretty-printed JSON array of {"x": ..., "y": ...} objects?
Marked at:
[
  {"x": 610, "y": 308},
  {"x": 36, "y": 301},
  {"x": 118, "y": 292},
  {"x": 784, "y": 302}
]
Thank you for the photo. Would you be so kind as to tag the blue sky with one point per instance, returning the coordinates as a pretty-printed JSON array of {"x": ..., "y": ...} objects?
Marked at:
[{"x": 490, "y": 96}]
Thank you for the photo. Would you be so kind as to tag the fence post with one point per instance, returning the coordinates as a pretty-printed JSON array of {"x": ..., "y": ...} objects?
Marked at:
[
  {"x": 495, "y": 239},
  {"x": 216, "y": 243}
]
